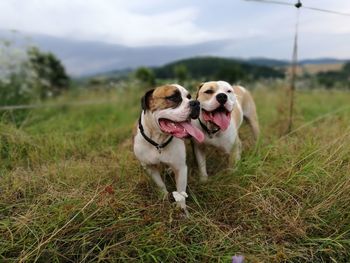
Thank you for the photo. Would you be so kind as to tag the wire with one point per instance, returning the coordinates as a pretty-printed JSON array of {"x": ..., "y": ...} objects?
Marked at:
[
  {"x": 306, "y": 7},
  {"x": 326, "y": 11},
  {"x": 271, "y": 2},
  {"x": 294, "y": 65}
]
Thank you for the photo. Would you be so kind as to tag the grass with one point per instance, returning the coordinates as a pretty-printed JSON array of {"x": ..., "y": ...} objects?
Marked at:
[
  {"x": 71, "y": 190},
  {"x": 317, "y": 68}
]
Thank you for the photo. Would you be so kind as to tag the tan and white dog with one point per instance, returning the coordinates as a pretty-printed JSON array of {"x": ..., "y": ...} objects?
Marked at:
[
  {"x": 223, "y": 108},
  {"x": 163, "y": 124}
]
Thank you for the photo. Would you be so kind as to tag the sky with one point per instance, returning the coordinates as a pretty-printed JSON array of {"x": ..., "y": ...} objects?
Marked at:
[{"x": 248, "y": 29}]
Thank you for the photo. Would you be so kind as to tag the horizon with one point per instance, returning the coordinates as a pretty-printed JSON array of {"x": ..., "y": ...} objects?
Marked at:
[{"x": 45, "y": 43}]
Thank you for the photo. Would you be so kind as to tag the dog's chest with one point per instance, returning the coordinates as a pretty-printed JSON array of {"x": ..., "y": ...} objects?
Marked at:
[
  {"x": 148, "y": 154},
  {"x": 223, "y": 140}
]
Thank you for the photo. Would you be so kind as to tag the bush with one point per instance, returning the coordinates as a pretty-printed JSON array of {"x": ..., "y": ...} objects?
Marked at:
[
  {"x": 332, "y": 79},
  {"x": 181, "y": 72},
  {"x": 50, "y": 72},
  {"x": 146, "y": 76},
  {"x": 29, "y": 75},
  {"x": 16, "y": 78}
]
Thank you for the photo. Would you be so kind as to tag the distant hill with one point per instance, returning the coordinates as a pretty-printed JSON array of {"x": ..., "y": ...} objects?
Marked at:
[
  {"x": 231, "y": 68},
  {"x": 322, "y": 61},
  {"x": 267, "y": 62},
  {"x": 218, "y": 68},
  {"x": 281, "y": 63},
  {"x": 87, "y": 58}
]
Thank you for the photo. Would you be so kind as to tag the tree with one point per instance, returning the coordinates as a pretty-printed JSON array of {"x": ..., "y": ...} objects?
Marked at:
[
  {"x": 346, "y": 68},
  {"x": 146, "y": 76},
  {"x": 231, "y": 74},
  {"x": 181, "y": 72},
  {"x": 331, "y": 79},
  {"x": 51, "y": 74}
]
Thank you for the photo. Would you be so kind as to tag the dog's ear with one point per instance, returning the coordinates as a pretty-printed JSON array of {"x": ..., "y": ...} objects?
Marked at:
[
  {"x": 146, "y": 99},
  {"x": 198, "y": 88}
]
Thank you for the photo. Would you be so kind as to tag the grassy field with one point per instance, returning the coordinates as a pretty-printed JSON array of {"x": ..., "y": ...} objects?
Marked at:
[
  {"x": 317, "y": 68},
  {"x": 71, "y": 190}
]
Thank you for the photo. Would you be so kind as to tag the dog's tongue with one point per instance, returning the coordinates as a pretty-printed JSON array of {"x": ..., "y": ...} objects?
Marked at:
[
  {"x": 221, "y": 119},
  {"x": 181, "y": 129},
  {"x": 193, "y": 131}
]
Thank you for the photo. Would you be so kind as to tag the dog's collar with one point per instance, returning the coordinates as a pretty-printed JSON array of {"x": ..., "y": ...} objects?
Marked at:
[
  {"x": 205, "y": 128},
  {"x": 158, "y": 146}
]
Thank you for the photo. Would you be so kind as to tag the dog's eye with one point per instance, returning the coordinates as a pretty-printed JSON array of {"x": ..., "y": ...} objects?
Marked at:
[
  {"x": 189, "y": 96},
  {"x": 175, "y": 98},
  {"x": 229, "y": 91},
  {"x": 209, "y": 91}
]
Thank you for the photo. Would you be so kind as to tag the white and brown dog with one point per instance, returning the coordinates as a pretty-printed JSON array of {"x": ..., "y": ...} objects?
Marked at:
[
  {"x": 164, "y": 122},
  {"x": 223, "y": 108}
]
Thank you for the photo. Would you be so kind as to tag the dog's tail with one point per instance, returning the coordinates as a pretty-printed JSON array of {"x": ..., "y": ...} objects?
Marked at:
[{"x": 249, "y": 110}]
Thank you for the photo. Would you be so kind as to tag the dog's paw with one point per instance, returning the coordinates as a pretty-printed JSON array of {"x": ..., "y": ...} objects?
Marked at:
[{"x": 180, "y": 197}]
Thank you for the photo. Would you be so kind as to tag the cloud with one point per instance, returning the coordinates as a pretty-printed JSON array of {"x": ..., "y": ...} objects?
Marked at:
[
  {"x": 107, "y": 21},
  {"x": 254, "y": 29}
]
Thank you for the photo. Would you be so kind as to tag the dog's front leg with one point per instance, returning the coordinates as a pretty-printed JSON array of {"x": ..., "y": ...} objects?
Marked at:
[
  {"x": 199, "y": 151},
  {"x": 181, "y": 183},
  {"x": 154, "y": 172},
  {"x": 236, "y": 152},
  {"x": 237, "y": 149}
]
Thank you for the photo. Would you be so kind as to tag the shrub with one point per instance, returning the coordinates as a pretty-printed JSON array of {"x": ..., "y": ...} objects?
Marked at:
[
  {"x": 146, "y": 76},
  {"x": 29, "y": 75}
]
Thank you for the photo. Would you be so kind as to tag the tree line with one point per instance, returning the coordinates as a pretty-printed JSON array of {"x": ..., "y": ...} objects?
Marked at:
[{"x": 331, "y": 79}]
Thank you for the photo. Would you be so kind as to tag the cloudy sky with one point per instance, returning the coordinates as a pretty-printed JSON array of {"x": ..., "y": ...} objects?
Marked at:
[{"x": 248, "y": 29}]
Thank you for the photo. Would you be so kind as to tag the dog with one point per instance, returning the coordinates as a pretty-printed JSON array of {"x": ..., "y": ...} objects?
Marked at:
[
  {"x": 164, "y": 122},
  {"x": 223, "y": 108}
]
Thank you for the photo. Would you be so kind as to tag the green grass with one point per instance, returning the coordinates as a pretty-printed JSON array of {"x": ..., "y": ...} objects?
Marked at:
[{"x": 71, "y": 190}]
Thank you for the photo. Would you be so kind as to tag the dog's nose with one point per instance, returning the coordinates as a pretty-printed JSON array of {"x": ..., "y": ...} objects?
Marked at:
[
  {"x": 221, "y": 98},
  {"x": 195, "y": 109},
  {"x": 194, "y": 103}
]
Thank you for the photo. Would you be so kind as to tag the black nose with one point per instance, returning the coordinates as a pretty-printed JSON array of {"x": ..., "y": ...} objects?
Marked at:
[
  {"x": 221, "y": 98},
  {"x": 195, "y": 109},
  {"x": 194, "y": 103}
]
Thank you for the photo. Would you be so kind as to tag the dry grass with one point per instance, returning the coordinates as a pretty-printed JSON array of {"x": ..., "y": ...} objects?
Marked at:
[
  {"x": 71, "y": 190},
  {"x": 317, "y": 68}
]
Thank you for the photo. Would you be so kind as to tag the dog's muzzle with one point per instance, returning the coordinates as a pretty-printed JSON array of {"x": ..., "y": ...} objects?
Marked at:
[
  {"x": 221, "y": 98},
  {"x": 195, "y": 109}
]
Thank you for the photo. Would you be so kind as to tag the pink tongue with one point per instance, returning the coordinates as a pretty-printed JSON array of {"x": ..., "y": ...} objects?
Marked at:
[
  {"x": 193, "y": 131},
  {"x": 221, "y": 119}
]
